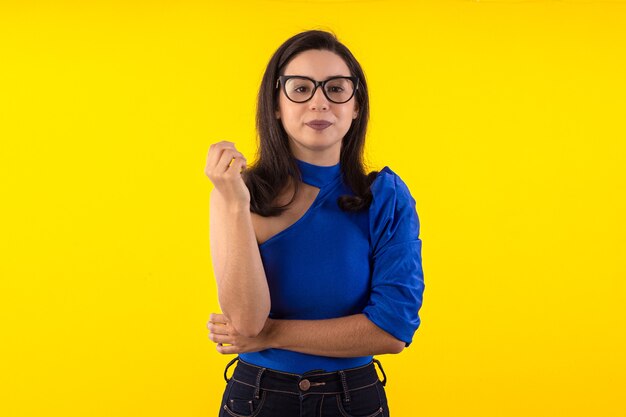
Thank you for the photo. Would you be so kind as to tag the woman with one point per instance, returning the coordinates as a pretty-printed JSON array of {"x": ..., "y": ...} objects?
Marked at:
[{"x": 318, "y": 264}]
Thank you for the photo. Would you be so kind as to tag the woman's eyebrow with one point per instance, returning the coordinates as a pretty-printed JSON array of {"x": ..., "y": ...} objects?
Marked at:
[{"x": 330, "y": 76}]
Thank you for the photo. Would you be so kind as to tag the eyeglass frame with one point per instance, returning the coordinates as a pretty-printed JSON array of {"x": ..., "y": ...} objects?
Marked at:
[{"x": 282, "y": 79}]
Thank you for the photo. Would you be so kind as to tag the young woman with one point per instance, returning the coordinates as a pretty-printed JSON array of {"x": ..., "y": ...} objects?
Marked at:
[{"x": 318, "y": 264}]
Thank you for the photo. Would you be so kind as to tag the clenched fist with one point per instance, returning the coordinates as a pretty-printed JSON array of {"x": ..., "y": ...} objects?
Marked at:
[{"x": 224, "y": 166}]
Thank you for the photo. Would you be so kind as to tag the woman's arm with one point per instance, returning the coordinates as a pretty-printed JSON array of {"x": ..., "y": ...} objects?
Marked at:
[
  {"x": 341, "y": 337},
  {"x": 241, "y": 283}
]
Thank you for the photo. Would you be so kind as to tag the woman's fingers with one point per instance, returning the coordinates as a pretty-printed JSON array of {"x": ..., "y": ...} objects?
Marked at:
[
  {"x": 226, "y": 159},
  {"x": 221, "y": 156},
  {"x": 239, "y": 164},
  {"x": 225, "y": 165},
  {"x": 217, "y": 328},
  {"x": 220, "y": 338},
  {"x": 215, "y": 153},
  {"x": 217, "y": 318},
  {"x": 221, "y": 332},
  {"x": 227, "y": 350}
]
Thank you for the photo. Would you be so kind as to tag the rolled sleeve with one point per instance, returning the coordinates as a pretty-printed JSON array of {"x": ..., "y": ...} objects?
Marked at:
[{"x": 397, "y": 284}]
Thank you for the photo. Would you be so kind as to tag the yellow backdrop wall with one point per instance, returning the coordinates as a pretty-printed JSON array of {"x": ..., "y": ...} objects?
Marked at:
[{"x": 505, "y": 118}]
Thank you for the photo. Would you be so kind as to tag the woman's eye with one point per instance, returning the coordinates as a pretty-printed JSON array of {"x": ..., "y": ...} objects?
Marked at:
[
  {"x": 336, "y": 89},
  {"x": 300, "y": 89}
]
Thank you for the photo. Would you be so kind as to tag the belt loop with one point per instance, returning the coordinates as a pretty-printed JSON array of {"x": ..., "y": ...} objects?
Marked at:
[
  {"x": 381, "y": 370},
  {"x": 258, "y": 383},
  {"x": 228, "y": 366},
  {"x": 344, "y": 383}
]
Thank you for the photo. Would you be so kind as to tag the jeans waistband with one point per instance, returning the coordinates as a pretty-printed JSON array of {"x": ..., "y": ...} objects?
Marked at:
[{"x": 312, "y": 382}]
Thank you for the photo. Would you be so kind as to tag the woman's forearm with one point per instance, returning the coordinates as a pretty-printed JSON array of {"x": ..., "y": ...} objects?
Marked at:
[
  {"x": 242, "y": 287},
  {"x": 346, "y": 336}
]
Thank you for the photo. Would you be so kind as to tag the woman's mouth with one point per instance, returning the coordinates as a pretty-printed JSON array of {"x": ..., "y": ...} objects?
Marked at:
[{"x": 318, "y": 125}]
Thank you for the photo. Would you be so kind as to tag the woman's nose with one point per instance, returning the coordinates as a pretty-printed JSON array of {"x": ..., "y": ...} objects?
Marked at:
[{"x": 319, "y": 100}]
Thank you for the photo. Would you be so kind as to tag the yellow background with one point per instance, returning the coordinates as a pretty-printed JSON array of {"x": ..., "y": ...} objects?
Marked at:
[{"x": 505, "y": 118}]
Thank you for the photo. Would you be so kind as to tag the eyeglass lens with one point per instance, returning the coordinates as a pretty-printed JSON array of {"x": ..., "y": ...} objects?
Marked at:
[{"x": 338, "y": 90}]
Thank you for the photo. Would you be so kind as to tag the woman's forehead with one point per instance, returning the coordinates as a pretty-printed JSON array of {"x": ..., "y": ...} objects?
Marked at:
[{"x": 318, "y": 65}]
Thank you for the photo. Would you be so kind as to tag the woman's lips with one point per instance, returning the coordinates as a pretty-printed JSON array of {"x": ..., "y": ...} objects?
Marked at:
[{"x": 318, "y": 125}]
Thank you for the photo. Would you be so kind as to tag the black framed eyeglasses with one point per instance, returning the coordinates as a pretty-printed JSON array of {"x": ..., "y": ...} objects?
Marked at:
[{"x": 300, "y": 89}]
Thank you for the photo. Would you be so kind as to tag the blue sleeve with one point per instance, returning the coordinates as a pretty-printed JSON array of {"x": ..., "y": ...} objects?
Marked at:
[{"x": 397, "y": 278}]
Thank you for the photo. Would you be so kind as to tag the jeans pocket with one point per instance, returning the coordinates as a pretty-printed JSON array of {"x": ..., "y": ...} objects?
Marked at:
[
  {"x": 364, "y": 402},
  {"x": 241, "y": 400}
]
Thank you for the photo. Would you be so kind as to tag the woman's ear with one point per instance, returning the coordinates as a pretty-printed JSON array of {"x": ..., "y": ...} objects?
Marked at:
[{"x": 277, "y": 114}]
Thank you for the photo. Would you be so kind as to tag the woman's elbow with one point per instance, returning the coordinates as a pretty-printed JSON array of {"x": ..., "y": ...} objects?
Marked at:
[
  {"x": 387, "y": 342},
  {"x": 395, "y": 346},
  {"x": 249, "y": 328},
  {"x": 249, "y": 331}
]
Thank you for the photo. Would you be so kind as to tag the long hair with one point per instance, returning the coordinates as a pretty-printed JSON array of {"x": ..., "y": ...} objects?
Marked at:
[{"x": 274, "y": 161}]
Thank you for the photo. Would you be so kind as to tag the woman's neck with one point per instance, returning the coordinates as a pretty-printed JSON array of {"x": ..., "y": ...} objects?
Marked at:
[{"x": 318, "y": 175}]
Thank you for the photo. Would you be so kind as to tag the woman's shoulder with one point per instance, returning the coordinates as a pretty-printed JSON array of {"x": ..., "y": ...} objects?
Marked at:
[
  {"x": 393, "y": 217},
  {"x": 389, "y": 184}
]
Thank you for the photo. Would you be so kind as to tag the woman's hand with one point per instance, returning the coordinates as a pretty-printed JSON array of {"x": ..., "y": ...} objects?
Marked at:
[
  {"x": 223, "y": 167},
  {"x": 223, "y": 333}
]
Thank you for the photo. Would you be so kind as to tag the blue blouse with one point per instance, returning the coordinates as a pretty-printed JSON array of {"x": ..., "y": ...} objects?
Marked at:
[{"x": 332, "y": 263}]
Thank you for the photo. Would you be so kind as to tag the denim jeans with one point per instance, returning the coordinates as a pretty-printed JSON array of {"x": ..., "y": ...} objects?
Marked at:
[{"x": 253, "y": 391}]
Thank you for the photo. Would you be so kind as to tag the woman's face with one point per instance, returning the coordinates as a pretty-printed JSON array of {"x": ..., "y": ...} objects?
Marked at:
[{"x": 320, "y": 147}]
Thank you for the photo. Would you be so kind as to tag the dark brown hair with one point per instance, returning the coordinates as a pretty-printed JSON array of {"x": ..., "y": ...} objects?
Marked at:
[{"x": 274, "y": 160}]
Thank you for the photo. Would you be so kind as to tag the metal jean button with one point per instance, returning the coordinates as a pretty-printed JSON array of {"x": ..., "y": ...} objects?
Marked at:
[{"x": 304, "y": 385}]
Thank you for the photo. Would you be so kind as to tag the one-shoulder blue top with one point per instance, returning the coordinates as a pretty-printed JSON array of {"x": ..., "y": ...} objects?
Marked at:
[{"x": 332, "y": 263}]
